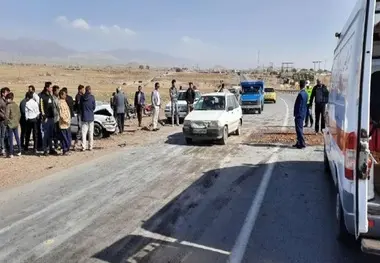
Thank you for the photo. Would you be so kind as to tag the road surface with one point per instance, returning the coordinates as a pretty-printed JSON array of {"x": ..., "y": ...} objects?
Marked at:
[{"x": 169, "y": 202}]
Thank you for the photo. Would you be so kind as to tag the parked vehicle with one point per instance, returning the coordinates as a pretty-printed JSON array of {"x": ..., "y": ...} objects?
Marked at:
[
  {"x": 252, "y": 97},
  {"x": 351, "y": 134},
  {"x": 215, "y": 116},
  {"x": 270, "y": 95},
  {"x": 104, "y": 124},
  {"x": 182, "y": 105}
]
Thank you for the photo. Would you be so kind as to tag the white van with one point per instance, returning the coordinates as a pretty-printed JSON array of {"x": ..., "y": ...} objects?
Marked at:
[{"x": 347, "y": 137}]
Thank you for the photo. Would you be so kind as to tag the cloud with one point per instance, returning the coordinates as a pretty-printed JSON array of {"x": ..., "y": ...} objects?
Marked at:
[
  {"x": 82, "y": 24},
  {"x": 190, "y": 40}
]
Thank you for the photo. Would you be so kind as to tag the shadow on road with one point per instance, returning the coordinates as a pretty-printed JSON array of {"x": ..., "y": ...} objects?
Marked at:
[
  {"x": 269, "y": 145},
  {"x": 179, "y": 139},
  {"x": 201, "y": 224}
]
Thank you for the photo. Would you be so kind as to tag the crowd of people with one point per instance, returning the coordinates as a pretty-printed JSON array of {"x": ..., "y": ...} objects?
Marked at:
[{"x": 46, "y": 117}]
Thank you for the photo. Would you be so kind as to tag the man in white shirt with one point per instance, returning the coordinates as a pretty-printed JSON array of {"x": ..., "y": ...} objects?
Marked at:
[
  {"x": 32, "y": 113},
  {"x": 156, "y": 103}
]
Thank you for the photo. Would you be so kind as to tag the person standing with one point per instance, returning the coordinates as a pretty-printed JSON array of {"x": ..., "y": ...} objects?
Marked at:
[
  {"x": 156, "y": 102},
  {"x": 77, "y": 109},
  {"x": 3, "y": 127},
  {"x": 309, "y": 114},
  {"x": 47, "y": 119},
  {"x": 39, "y": 122},
  {"x": 12, "y": 117},
  {"x": 32, "y": 113},
  {"x": 321, "y": 95},
  {"x": 139, "y": 103},
  {"x": 300, "y": 111},
  {"x": 70, "y": 104},
  {"x": 119, "y": 102},
  {"x": 23, "y": 121},
  {"x": 64, "y": 122},
  {"x": 87, "y": 105},
  {"x": 173, "y": 92},
  {"x": 32, "y": 89},
  {"x": 190, "y": 97},
  {"x": 56, "y": 116}
]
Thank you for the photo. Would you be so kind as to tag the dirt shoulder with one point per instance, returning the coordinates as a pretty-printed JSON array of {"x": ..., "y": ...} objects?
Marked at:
[{"x": 27, "y": 168}]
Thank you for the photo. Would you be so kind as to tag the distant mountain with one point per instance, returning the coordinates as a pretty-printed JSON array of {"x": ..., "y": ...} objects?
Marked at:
[{"x": 43, "y": 51}]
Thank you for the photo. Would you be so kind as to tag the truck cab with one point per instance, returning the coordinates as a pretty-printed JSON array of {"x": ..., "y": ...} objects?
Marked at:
[
  {"x": 252, "y": 96},
  {"x": 352, "y": 133}
]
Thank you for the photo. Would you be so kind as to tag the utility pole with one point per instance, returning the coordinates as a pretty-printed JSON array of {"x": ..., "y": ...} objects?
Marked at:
[
  {"x": 319, "y": 64},
  {"x": 287, "y": 65},
  {"x": 258, "y": 59}
]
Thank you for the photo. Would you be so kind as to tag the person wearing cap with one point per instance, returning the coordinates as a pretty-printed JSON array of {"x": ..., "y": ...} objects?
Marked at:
[
  {"x": 309, "y": 114},
  {"x": 299, "y": 113},
  {"x": 321, "y": 95},
  {"x": 119, "y": 104},
  {"x": 190, "y": 97}
]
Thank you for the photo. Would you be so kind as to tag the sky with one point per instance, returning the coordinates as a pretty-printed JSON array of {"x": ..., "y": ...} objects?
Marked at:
[{"x": 232, "y": 33}]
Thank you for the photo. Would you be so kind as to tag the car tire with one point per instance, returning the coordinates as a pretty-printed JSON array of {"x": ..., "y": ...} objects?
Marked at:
[
  {"x": 98, "y": 131},
  {"x": 259, "y": 111},
  {"x": 342, "y": 233},
  {"x": 274, "y": 101},
  {"x": 189, "y": 141},
  {"x": 223, "y": 141},
  {"x": 238, "y": 130},
  {"x": 262, "y": 107}
]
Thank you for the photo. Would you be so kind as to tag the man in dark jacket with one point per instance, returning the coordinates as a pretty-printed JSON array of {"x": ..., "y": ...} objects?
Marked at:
[
  {"x": 119, "y": 104},
  {"x": 139, "y": 103},
  {"x": 300, "y": 111},
  {"x": 87, "y": 108},
  {"x": 321, "y": 95},
  {"x": 190, "y": 97},
  {"x": 3, "y": 127},
  {"x": 77, "y": 109},
  {"x": 47, "y": 119}
]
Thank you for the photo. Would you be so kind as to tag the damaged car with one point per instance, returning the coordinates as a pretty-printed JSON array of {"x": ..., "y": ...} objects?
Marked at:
[{"x": 104, "y": 122}]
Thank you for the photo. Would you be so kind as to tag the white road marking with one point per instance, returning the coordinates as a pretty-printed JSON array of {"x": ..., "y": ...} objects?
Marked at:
[{"x": 241, "y": 243}]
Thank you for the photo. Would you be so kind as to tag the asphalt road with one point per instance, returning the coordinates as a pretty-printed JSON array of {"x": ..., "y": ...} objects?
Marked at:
[{"x": 169, "y": 202}]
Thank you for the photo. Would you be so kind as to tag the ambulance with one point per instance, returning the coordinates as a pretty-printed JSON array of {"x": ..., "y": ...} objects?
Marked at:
[{"x": 352, "y": 133}]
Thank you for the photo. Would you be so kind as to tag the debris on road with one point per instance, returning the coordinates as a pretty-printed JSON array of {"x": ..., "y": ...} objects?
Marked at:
[{"x": 284, "y": 136}]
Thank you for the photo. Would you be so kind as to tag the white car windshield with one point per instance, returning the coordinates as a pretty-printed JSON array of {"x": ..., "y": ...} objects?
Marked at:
[
  {"x": 182, "y": 95},
  {"x": 211, "y": 103}
]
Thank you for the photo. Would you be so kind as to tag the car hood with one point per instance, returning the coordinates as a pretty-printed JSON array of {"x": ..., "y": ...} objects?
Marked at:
[
  {"x": 203, "y": 115},
  {"x": 250, "y": 96}
]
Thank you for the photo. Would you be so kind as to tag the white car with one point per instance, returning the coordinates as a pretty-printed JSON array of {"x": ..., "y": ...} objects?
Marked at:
[
  {"x": 182, "y": 105},
  {"x": 104, "y": 123},
  {"x": 215, "y": 116}
]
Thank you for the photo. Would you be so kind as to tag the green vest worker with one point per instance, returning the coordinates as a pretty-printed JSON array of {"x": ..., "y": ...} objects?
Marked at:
[{"x": 308, "y": 90}]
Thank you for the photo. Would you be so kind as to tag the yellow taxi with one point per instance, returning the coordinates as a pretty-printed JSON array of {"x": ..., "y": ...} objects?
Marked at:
[{"x": 270, "y": 95}]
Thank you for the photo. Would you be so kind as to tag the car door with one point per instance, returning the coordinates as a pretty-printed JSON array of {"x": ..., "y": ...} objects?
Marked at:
[
  {"x": 232, "y": 124},
  {"x": 362, "y": 151}
]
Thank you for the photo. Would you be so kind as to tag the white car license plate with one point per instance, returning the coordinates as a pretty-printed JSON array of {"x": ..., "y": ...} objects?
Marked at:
[{"x": 199, "y": 131}]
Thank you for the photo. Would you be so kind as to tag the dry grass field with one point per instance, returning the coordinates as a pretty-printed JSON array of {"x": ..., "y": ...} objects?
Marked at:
[{"x": 103, "y": 81}]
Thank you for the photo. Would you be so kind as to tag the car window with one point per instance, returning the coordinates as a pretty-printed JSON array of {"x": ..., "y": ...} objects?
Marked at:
[
  {"x": 235, "y": 102},
  {"x": 230, "y": 102},
  {"x": 269, "y": 89},
  {"x": 210, "y": 103},
  {"x": 181, "y": 95},
  {"x": 103, "y": 112},
  {"x": 197, "y": 94}
]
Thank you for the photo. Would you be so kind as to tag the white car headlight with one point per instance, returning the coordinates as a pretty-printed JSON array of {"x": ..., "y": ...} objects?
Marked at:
[
  {"x": 186, "y": 123},
  {"x": 214, "y": 124}
]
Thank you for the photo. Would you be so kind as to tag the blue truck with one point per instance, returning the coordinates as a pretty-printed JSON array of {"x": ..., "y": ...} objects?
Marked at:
[{"x": 252, "y": 97}]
